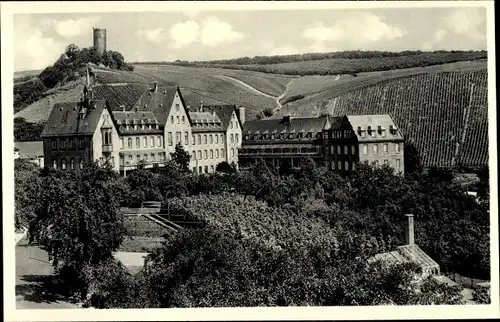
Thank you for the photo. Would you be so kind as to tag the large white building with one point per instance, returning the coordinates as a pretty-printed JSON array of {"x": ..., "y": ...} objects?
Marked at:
[{"x": 125, "y": 124}]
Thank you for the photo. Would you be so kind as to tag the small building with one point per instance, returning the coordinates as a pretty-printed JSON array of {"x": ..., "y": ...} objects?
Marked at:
[
  {"x": 31, "y": 151},
  {"x": 411, "y": 253}
]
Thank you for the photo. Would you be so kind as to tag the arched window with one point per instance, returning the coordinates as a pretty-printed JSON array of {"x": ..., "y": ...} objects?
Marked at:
[
  {"x": 210, "y": 139},
  {"x": 129, "y": 143},
  {"x": 81, "y": 161},
  {"x": 54, "y": 164},
  {"x": 72, "y": 164},
  {"x": 232, "y": 138},
  {"x": 211, "y": 154},
  {"x": 63, "y": 164},
  {"x": 232, "y": 152},
  {"x": 236, "y": 138}
]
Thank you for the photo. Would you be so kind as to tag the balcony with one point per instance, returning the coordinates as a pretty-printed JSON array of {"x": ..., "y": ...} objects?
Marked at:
[
  {"x": 288, "y": 150},
  {"x": 107, "y": 148}
]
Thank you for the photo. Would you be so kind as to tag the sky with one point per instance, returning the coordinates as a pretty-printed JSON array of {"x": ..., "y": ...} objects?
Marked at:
[{"x": 39, "y": 39}]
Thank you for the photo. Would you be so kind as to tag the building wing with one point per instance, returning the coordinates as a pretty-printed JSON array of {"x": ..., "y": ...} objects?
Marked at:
[{"x": 72, "y": 119}]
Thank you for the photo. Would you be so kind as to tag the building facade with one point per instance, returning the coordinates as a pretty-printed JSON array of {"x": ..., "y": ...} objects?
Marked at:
[
  {"x": 80, "y": 133},
  {"x": 141, "y": 128},
  {"x": 336, "y": 142}
]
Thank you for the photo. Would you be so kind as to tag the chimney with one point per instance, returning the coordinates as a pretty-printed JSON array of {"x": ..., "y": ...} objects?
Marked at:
[
  {"x": 409, "y": 232},
  {"x": 122, "y": 107},
  {"x": 155, "y": 86},
  {"x": 189, "y": 107},
  {"x": 287, "y": 120},
  {"x": 201, "y": 106},
  {"x": 241, "y": 114}
]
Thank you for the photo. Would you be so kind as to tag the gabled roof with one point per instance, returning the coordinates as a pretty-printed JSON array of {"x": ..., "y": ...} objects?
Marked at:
[
  {"x": 65, "y": 119},
  {"x": 139, "y": 118},
  {"x": 408, "y": 253},
  {"x": 31, "y": 149},
  {"x": 224, "y": 112},
  {"x": 160, "y": 103},
  {"x": 299, "y": 124},
  {"x": 373, "y": 121}
]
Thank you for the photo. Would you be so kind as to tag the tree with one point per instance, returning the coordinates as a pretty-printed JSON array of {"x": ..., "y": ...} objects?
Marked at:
[
  {"x": 224, "y": 167},
  {"x": 412, "y": 162},
  {"x": 181, "y": 157},
  {"x": 87, "y": 225}
]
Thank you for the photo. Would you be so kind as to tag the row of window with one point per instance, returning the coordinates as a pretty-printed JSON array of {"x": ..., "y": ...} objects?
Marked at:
[
  {"x": 67, "y": 143},
  {"x": 338, "y": 165},
  {"x": 339, "y": 149},
  {"x": 200, "y": 169},
  {"x": 153, "y": 157},
  {"x": 386, "y": 162},
  {"x": 197, "y": 155},
  {"x": 197, "y": 138},
  {"x": 373, "y": 133},
  {"x": 142, "y": 127},
  {"x": 183, "y": 118},
  {"x": 345, "y": 165},
  {"x": 281, "y": 136},
  {"x": 147, "y": 142},
  {"x": 337, "y": 134},
  {"x": 385, "y": 147},
  {"x": 63, "y": 165}
]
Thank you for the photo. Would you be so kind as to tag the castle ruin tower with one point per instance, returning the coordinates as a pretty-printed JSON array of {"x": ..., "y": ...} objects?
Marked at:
[{"x": 100, "y": 40}]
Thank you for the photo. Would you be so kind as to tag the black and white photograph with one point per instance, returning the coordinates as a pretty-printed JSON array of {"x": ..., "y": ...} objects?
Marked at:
[{"x": 249, "y": 156}]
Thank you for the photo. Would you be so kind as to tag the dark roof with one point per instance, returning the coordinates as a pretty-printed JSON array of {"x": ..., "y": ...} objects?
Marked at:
[
  {"x": 207, "y": 121},
  {"x": 299, "y": 124},
  {"x": 224, "y": 112},
  {"x": 64, "y": 119},
  {"x": 139, "y": 118},
  {"x": 29, "y": 149},
  {"x": 160, "y": 102},
  {"x": 362, "y": 122},
  {"x": 117, "y": 95}
]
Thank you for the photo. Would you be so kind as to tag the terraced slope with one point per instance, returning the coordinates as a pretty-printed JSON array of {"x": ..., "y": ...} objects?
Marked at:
[{"x": 446, "y": 113}]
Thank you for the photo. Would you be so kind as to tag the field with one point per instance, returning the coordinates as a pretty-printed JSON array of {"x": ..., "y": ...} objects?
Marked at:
[
  {"x": 322, "y": 87},
  {"x": 349, "y": 65},
  {"x": 215, "y": 85}
]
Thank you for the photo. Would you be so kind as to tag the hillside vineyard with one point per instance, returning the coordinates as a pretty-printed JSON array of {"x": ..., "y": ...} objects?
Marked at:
[{"x": 445, "y": 114}]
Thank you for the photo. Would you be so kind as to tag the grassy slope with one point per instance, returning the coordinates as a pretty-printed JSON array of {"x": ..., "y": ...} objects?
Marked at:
[{"x": 197, "y": 85}]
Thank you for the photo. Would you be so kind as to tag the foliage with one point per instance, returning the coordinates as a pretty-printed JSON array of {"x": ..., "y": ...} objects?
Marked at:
[
  {"x": 72, "y": 64},
  {"x": 83, "y": 212},
  {"x": 225, "y": 167},
  {"x": 482, "y": 295},
  {"x": 181, "y": 157},
  {"x": 210, "y": 267},
  {"x": 27, "y": 131},
  {"x": 26, "y": 182},
  {"x": 27, "y": 92}
]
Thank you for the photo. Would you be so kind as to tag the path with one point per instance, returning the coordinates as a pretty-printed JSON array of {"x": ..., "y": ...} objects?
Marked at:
[
  {"x": 35, "y": 287},
  {"x": 257, "y": 91}
]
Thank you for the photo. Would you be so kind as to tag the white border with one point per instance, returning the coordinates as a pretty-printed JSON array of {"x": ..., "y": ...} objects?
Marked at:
[{"x": 292, "y": 313}]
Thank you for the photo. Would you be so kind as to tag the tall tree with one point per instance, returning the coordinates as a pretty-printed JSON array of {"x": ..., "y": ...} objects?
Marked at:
[{"x": 181, "y": 157}]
